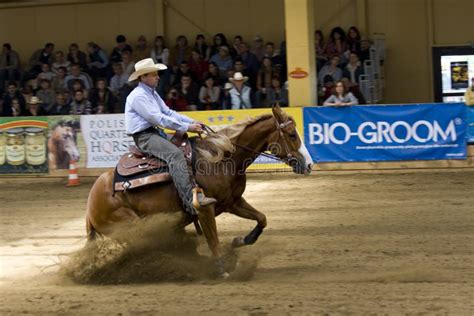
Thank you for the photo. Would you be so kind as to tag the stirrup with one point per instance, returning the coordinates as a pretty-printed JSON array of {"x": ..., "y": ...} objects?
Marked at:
[{"x": 196, "y": 203}]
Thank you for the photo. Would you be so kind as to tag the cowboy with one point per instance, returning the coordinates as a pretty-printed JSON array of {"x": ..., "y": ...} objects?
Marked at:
[
  {"x": 240, "y": 93},
  {"x": 145, "y": 116}
]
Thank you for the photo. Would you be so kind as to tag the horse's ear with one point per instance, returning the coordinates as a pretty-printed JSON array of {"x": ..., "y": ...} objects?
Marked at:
[{"x": 279, "y": 114}]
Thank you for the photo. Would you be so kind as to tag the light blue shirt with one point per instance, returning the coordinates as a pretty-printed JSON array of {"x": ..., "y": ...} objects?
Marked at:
[{"x": 144, "y": 108}]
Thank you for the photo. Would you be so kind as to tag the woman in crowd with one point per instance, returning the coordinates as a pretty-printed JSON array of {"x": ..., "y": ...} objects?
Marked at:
[
  {"x": 336, "y": 45},
  {"x": 201, "y": 47},
  {"x": 209, "y": 95},
  {"x": 277, "y": 94},
  {"x": 319, "y": 46},
  {"x": 341, "y": 96},
  {"x": 264, "y": 81},
  {"x": 101, "y": 98},
  {"x": 219, "y": 40},
  {"x": 353, "y": 40}
]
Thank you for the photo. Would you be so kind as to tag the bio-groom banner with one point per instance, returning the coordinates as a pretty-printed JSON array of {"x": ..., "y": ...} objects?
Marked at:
[{"x": 386, "y": 133}]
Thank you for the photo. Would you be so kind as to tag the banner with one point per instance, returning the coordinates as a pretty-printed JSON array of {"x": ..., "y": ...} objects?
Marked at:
[
  {"x": 23, "y": 145},
  {"x": 470, "y": 122},
  {"x": 386, "y": 133},
  {"x": 105, "y": 138},
  {"x": 65, "y": 142}
]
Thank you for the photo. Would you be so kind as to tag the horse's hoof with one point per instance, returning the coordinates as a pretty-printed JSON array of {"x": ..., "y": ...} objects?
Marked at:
[{"x": 238, "y": 242}]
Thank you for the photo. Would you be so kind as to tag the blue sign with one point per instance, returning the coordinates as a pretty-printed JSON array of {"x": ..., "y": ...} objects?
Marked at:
[
  {"x": 470, "y": 123},
  {"x": 386, "y": 133}
]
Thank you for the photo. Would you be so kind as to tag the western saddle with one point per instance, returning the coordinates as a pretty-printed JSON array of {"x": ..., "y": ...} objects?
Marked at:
[{"x": 136, "y": 169}]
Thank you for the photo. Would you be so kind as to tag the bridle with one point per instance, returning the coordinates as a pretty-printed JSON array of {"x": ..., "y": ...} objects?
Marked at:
[{"x": 289, "y": 159}]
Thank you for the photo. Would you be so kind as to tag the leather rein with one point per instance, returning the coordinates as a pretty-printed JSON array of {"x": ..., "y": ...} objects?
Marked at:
[{"x": 280, "y": 126}]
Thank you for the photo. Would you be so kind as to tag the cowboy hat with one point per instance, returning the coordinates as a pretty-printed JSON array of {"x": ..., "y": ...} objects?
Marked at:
[
  {"x": 34, "y": 100},
  {"x": 238, "y": 77},
  {"x": 145, "y": 66}
]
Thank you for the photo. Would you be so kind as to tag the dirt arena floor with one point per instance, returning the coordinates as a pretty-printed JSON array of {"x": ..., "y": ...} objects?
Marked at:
[{"x": 335, "y": 244}]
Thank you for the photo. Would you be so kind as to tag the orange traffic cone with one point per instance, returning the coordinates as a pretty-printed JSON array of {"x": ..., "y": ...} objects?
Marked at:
[{"x": 73, "y": 179}]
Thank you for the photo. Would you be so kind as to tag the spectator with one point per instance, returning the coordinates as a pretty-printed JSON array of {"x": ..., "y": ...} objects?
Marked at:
[
  {"x": 98, "y": 61},
  {"x": 214, "y": 72},
  {"x": 235, "y": 49},
  {"x": 13, "y": 93},
  {"x": 226, "y": 100},
  {"x": 201, "y": 47},
  {"x": 189, "y": 91},
  {"x": 79, "y": 85},
  {"x": 326, "y": 89},
  {"x": 319, "y": 46},
  {"x": 364, "y": 51},
  {"x": 35, "y": 107},
  {"x": 272, "y": 54},
  {"x": 258, "y": 48},
  {"x": 121, "y": 46},
  {"x": 277, "y": 94},
  {"x": 27, "y": 92},
  {"x": 264, "y": 81},
  {"x": 80, "y": 105},
  {"x": 127, "y": 63},
  {"x": 240, "y": 67},
  {"x": 176, "y": 101},
  {"x": 45, "y": 73},
  {"x": 40, "y": 57},
  {"x": 101, "y": 98},
  {"x": 353, "y": 40},
  {"x": 209, "y": 95},
  {"x": 61, "y": 106},
  {"x": 354, "y": 89},
  {"x": 180, "y": 52},
  {"x": 469, "y": 94},
  {"x": 159, "y": 52},
  {"x": 9, "y": 66},
  {"x": 46, "y": 94},
  {"x": 240, "y": 93},
  {"x": 222, "y": 60},
  {"x": 183, "y": 70},
  {"x": 141, "y": 50},
  {"x": 59, "y": 81},
  {"x": 76, "y": 56},
  {"x": 76, "y": 74},
  {"x": 119, "y": 79},
  {"x": 250, "y": 60},
  {"x": 336, "y": 45},
  {"x": 341, "y": 96},
  {"x": 332, "y": 69},
  {"x": 60, "y": 61},
  {"x": 353, "y": 70},
  {"x": 14, "y": 108},
  {"x": 219, "y": 40},
  {"x": 198, "y": 66}
]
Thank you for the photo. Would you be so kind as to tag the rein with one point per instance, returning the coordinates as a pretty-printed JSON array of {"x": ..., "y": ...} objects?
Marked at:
[{"x": 289, "y": 157}]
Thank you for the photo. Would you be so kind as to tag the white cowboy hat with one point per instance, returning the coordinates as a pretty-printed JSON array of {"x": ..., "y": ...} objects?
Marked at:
[
  {"x": 34, "y": 100},
  {"x": 145, "y": 66},
  {"x": 238, "y": 77},
  {"x": 228, "y": 86}
]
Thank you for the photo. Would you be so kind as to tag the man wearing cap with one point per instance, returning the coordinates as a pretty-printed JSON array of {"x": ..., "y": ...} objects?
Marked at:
[{"x": 146, "y": 114}]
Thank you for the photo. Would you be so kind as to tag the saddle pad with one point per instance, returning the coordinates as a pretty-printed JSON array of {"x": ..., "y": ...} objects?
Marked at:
[{"x": 124, "y": 183}]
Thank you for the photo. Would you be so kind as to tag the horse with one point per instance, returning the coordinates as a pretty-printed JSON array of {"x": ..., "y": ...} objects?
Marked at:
[
  {"x": 222, "y": 159},
  {"x": 62, "y": 146}
]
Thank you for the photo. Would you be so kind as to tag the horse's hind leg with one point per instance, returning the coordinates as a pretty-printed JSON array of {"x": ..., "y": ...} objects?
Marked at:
[{"x": 243, "y": 209}]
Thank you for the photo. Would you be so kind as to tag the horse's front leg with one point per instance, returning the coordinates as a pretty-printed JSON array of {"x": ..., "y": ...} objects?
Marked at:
[
  {"x": 243, "y": 209},
  {"x": 207, "y": 219}
]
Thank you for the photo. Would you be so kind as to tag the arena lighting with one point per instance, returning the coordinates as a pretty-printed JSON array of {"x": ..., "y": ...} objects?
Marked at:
[{"x": 370, "y": 132}]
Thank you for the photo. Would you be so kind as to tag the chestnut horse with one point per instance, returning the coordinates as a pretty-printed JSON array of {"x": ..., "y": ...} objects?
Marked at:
[
  {"x": 62, "y": 146},
  {"x": 222, "y": 159}
]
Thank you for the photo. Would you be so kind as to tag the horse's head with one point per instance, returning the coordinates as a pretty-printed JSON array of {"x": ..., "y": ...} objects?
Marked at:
[
  {"x": 64, "y": 136},
  {"x": 286, "y": 143}
]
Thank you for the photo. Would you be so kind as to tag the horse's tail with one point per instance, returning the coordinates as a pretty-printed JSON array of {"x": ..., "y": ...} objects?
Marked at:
[{"x": 91, "y": 232}]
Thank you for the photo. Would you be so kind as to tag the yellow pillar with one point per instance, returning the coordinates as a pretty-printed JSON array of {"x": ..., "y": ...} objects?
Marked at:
[{"x": 301, "y": 60}]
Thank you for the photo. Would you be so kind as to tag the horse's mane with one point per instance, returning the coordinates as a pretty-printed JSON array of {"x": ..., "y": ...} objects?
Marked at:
[{"x": 214, "y": 146}]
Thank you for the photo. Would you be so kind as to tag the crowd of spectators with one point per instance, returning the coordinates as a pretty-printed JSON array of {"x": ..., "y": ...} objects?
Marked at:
[{"x": 200, "y": 76}]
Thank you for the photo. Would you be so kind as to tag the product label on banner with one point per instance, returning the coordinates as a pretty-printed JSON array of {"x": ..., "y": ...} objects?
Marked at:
[
  {"x": 384, "y": 133},
  {"x": 105, "y": 138}
]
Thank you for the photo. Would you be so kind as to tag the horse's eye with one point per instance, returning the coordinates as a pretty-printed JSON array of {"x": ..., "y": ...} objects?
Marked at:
[
  {"x": 293, "y": 136},
  {"x": 65, "y": 136}
]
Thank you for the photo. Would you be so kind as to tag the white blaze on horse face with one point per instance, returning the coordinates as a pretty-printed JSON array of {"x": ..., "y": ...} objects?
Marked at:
[{"x": 305, "y": 153}]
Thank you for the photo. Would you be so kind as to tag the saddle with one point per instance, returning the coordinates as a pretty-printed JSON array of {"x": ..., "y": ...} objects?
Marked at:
[{"x": 137, "y": 169}]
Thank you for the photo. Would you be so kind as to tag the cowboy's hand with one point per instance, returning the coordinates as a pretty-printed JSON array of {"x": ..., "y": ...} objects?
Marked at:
[{"x": 195, "y": 127}]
